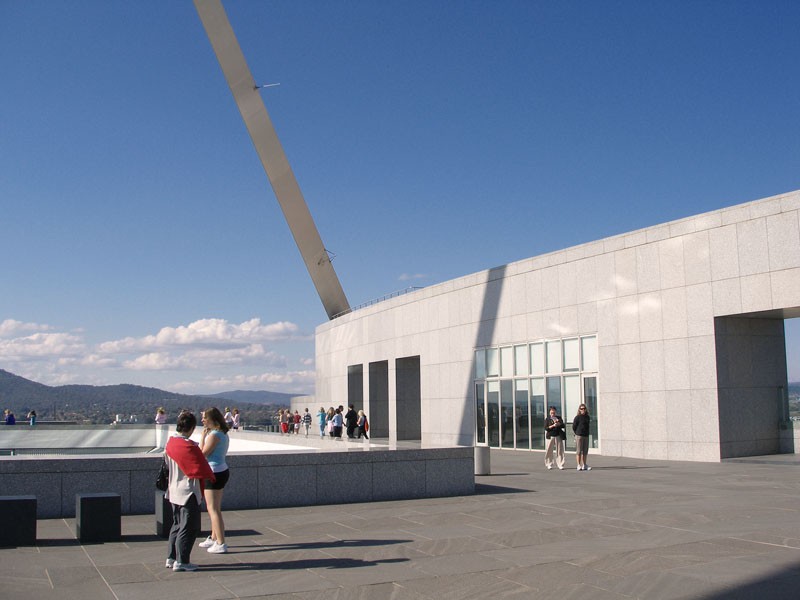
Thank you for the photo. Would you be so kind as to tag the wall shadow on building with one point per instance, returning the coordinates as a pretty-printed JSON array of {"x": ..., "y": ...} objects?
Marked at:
[{"x": 484, "y": 337}]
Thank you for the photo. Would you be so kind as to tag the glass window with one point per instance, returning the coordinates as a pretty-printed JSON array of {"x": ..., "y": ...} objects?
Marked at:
[
  {"x": 480, "y": 364},
  {"x": 480, "y": 415},
  {"x": 521, "y": 414},
  {"x": 507, "y": 362},
  {"x": 507, "y": 413},
  {"x": 520, "y": 360},
  {"x": 554, "y": 356},
  {"x": 572, "y": 355},
  {"x": 589, "y": 353},
  {"x": 492, "y": 363},
  {"x": 516, "y": 384},
  {"x": 493, "y": 412},
  {"x": 537, "y": 414},
  {"x": 554, "y": 394},
  {"x": 537, "y": 359},
  {"x": 572, "y": 396}
]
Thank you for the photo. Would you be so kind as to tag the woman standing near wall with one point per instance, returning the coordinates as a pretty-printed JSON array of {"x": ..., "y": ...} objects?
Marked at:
[
  {"x": 555, "y": 434},
  {"x": 214, "y": 444},
  {"x": 580, "y": 425}
]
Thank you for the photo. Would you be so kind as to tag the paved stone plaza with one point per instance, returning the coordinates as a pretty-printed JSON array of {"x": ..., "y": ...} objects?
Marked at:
[{"x": 628, "y": 529}]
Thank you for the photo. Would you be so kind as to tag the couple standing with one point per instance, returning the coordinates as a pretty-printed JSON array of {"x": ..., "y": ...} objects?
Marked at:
[
  {"x": 556, "y": 436},
  {"x": 196, "y": 471}
]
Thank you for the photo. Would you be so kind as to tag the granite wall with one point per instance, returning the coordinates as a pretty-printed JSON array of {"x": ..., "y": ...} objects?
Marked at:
[{"x": 257, "y": 480}]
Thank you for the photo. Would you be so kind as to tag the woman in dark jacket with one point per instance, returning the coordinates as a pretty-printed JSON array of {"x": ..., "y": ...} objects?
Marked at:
[{"x": 580, "y": 426}]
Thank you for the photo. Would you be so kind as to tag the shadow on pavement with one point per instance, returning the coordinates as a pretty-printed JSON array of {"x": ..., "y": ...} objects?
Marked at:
[{"x": 321, "y": 563}]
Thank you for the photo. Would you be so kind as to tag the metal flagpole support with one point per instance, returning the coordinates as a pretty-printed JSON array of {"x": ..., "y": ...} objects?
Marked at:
[{"x": 265, "y": 139}]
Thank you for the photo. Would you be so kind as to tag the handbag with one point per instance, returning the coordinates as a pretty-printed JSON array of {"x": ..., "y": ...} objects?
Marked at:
[{"x": 162, "y": 481}]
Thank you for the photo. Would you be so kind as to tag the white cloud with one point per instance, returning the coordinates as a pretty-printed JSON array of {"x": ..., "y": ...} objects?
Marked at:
[
  {"x": 153, "y": 361},
  {"x": 41, "y": 346},
  {"x": 212, "y": 354},
  {"x": 204, "y": 359},
  {"x": 207, "y": 332},
  {"x": 289, "y": 381},
  {"x": 11, "y": 328},
  {"x": 410, "y": 276}
]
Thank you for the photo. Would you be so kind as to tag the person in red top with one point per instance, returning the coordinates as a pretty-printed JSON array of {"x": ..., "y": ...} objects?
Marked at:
[
  {"x": 188, "y": 469},
  {"x": 296, "y": 421}
]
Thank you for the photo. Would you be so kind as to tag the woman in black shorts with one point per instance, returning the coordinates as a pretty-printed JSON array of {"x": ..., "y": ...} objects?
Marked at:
[{"x": 214, "y": 444}]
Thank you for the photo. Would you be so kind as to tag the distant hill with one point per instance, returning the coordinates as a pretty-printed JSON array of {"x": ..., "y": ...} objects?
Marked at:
[
  {"x": 255, "y": 397},
  {"x": 100, "y": 404}
]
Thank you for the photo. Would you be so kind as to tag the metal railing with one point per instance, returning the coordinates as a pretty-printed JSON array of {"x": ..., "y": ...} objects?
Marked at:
[{"x": 377, "y": 300}]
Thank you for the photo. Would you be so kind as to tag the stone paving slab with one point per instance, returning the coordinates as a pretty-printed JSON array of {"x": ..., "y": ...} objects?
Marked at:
[{"x": 627, "y": 529}]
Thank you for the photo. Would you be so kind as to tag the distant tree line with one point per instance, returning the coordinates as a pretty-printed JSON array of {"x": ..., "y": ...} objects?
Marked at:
[{"x": 101, "y": 404}]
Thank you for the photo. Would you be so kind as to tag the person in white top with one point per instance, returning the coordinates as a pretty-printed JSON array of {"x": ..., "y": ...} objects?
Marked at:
[{"x": 214, "y": 444}]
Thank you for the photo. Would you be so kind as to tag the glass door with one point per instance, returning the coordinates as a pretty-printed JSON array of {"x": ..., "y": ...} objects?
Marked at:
[
  {"x": 493, "y": 413},
  {"x": 522, "y": 414},
  {"x": 480, "y": 414},
  {"x": 590, "y": 400},
  {"x": 507, "y": 413},
  {"x": 572, "y": 400},
  {"x": 537, "y": 413}
]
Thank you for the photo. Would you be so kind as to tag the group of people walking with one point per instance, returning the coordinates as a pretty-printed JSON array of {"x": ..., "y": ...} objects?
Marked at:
[
  {"x": 556, "y": 436},
  {"x": 334, "y": 420},
  {"x": 197, "y": 472},
  {"x": 292, "y": 423}
]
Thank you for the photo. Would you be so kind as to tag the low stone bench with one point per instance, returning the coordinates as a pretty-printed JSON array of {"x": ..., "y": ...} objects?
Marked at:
[
  {"x": 163, "y": 515},
  {"x": 98, "y": 518},
  {"x": 19, "y": 521}
]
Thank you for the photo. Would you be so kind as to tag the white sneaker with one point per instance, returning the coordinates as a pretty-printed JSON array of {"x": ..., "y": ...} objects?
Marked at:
[
  {"x": 579, "y": 468},
  {"x": 218, "y": 548},
  {"x": 585, "y": 468},
  {"x": 184, "y": 567},
  {"x": 560, "y": 468},
  {"x": 549, "y": 467},
  {"x": 170, "y": 563},
  {"x": 207, "y": 543}
]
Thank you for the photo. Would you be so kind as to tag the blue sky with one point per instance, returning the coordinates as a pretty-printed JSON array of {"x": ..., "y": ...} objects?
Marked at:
[{"x": 141, "y": 241}]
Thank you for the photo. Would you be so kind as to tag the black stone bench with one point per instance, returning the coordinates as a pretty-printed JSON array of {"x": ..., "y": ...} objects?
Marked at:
[
  {"x": 163, "y": 515},
  {"x": 18, "y": 526},
  {"x": 98, "y": 518}
]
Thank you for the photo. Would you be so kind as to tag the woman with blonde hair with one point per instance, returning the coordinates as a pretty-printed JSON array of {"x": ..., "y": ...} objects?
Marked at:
[
  {"x": 363, "y": 425},
  {"x": 214, "y": 444},
  {"x": 329, "y": 421}
]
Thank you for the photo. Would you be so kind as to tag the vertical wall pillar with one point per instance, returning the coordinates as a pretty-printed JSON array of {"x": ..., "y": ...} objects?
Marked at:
[
  {"x": 409, "y": 399},
  {"x": 378, "y": 399},
  {"x": 355, "y": 386}
]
